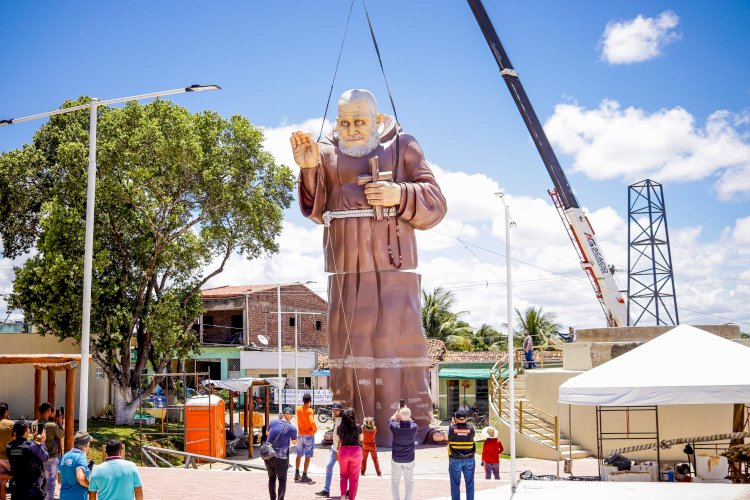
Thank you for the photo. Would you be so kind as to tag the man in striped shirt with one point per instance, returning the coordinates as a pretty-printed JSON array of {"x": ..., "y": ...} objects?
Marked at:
[{"x": 461, "y": 451}]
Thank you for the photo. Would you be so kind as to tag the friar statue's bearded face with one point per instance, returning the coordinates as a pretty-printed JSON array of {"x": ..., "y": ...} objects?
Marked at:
[{"x": 357, "y": 123}]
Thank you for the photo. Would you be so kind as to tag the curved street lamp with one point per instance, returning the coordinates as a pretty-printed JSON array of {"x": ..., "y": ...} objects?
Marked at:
[{"x": 89, "y": 237}]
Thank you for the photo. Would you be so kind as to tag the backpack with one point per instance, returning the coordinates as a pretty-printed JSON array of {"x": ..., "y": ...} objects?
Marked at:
[{"x": 267, "y": 449}]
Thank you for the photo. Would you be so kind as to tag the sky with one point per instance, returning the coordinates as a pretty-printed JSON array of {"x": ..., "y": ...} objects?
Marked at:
[{"x": 626, "y": 91}]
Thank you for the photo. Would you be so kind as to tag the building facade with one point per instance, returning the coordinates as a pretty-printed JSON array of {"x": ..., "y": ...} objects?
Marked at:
[{"x": 239, "y": 332}]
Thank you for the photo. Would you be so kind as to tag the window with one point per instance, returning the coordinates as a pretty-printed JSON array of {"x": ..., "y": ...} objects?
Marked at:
[
  {"x": 292, "y": 321},
  {"x": 482, "y": 395},
  {"x": 208, "y": 321},
  {"x": 233, "y": 368},
  {"x": 318, "y": 324}
]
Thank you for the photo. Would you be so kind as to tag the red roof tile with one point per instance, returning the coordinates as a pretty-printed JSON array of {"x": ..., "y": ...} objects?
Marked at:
[
  {"x": 475, "y": 356},
  {"x": 235, "y": 291}
]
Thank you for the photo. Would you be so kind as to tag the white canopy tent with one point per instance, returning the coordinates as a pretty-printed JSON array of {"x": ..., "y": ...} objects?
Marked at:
[
  {"x": 646, "y": 375},
  {"x": 685, "y": 365}
]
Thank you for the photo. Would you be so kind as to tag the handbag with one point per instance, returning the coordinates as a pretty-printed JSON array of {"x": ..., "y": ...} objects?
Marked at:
[{"x": 267, "y": 451}]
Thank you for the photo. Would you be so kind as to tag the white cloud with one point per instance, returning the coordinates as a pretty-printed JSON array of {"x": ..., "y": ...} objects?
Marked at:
[
  {"x": 666, "y": 145},
  {"x": 639, "y": 39},
  {"x": 276, "y": 139},
  {"x": 545, "y": 270}
]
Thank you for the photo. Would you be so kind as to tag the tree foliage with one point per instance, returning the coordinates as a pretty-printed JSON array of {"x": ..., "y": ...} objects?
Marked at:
[
  {"x": 541, "y": 325},
  {"x": 177, "y": 194}
]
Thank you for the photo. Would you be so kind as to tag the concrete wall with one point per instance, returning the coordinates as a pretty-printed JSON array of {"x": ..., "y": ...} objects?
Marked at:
[
  {"x": 644, "y": 333},
  {"x": 675, "y": 421},
  {"x": 596, "y": 346},
  {"x": 17, "y": 387}
]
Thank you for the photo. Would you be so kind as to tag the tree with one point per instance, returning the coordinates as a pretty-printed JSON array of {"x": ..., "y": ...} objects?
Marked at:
[
  {"x": 177, "y": 195},
  {"x": 541, "y": 326},
  {"x": 437, "y": 318}
]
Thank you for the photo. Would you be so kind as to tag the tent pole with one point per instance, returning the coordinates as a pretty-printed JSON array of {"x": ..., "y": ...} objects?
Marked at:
[
  {"x": 558, "y": 443},
  {"x": 599, "y": 441},
  {"x": 658, "y": 442},
  {"x": 570, "y": 439}
]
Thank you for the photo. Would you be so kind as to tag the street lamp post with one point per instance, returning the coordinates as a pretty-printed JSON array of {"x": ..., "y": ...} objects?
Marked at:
[
  {"x": 296, "y": 350},
  {"x": 511, "y": 348},
  {"x": 278, "y": 321},
  {"x": 89, "y": 231}
]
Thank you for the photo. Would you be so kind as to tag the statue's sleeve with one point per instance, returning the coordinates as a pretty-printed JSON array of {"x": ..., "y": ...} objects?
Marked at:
[
  {"x": 422, "y": 202},
  {"x": 312, "y": 192}
]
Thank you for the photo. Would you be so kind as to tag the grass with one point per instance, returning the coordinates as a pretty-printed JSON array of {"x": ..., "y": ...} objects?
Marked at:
[{"x": 103, "y": 430}]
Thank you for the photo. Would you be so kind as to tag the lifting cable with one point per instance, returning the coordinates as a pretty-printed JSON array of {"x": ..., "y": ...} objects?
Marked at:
[{"x": 395, "y": 171}]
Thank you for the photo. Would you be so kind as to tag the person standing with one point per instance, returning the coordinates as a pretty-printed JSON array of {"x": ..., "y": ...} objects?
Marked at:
[
  {"x": 54, "y": 434},
  {"x": 491, "y": 451},
  {"x": 461, "y": 451},
  {"x": 306, "y": 429},
  {"x": 333, "y": 455},
  {"x": 6, "y": 434},
  {"x": 116, "y": 478},
  {"x": 350, "y": 453},
  {"x": 528, "y": 349},
  {"x": 404, "y": 431},
  {"x": 280, "y": 434},
  {"x": 74, "y": 469},
  {"x": 27, "y": 459},
  {"x": 369, "y": 430}
]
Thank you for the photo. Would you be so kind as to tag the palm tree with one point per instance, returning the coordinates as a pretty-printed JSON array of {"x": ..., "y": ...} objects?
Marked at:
[
  {"x": 541, "y": 325},
  {"x": 438, "y": 320}
]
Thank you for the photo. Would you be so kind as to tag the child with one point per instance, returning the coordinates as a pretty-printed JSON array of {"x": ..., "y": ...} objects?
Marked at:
[
  {"x": 491, "y": 453},
  {"x": 368, "y": 444}
]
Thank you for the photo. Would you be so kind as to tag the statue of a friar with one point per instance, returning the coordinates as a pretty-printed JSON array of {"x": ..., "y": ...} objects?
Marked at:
[{"x": 370, "y": 185}]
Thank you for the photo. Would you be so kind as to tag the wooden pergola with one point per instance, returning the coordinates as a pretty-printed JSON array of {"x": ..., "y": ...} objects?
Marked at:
[
  {"x": 51, "y": 363},
  {"x": 248, "y": 384}
]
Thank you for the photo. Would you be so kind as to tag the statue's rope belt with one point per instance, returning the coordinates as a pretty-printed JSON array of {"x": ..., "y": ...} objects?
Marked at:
[{"x": 356, "y": 213}]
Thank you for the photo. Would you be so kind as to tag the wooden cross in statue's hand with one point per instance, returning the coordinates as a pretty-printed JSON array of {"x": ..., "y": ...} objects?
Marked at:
[{"x": 375, "y": 175}]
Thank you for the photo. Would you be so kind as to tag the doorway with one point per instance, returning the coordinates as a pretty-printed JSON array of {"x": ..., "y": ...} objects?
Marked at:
[{"x": 453, "y": 396}]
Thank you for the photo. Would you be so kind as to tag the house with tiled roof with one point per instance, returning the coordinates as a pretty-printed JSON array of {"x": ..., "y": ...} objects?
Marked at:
[{"x": 463, "y": 378}]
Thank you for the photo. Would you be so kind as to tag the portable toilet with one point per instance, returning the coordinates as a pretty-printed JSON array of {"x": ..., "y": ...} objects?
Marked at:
[{"x": 204, "y": 426}]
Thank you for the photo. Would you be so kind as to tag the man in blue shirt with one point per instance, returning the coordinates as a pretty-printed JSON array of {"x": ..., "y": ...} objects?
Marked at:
[
  {"x": 280, "y": 434},
  {"x": 74, "y": 472},
  {"x": 404, "y": 431},
  {"x": 115, "y": 479}
]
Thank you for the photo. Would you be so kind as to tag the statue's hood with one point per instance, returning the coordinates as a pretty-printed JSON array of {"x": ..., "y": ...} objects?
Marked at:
[{"x": 388, "y": 130}]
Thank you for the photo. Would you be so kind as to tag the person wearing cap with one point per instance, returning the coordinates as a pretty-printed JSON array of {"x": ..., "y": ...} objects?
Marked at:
[
  {"x": 338, "y": 408},
  {"x": 461, "y": 449},
  {"x": 74, "y": 472},
  {"x": 280, "y": 434},
  {"x": 491, "y": 453}
]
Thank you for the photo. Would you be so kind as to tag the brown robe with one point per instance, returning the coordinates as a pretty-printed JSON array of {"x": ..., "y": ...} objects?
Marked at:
[{"x": 384, "y": 357}]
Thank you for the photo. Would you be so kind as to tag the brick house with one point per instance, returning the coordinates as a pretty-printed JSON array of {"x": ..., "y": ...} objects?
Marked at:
[{"x": 239, "y": 331}]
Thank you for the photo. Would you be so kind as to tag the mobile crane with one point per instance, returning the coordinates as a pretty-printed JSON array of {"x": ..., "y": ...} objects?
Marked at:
[{"x": 576, "y": 223}]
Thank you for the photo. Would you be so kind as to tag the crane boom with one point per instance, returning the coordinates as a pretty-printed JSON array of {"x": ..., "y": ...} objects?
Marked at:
[{"x": 576, "y": 223}]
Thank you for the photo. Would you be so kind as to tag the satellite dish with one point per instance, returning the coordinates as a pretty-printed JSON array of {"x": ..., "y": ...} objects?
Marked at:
[{"x": 262, "y": 339}]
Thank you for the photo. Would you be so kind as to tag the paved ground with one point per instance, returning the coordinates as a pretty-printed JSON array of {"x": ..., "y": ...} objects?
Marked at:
[
  {"x": 431, "y": 482},
  {"x": 181, "y": 484}
]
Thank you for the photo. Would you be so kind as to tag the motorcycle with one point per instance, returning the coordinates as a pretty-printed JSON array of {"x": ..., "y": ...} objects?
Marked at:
[{"x": 324, "y": 414}]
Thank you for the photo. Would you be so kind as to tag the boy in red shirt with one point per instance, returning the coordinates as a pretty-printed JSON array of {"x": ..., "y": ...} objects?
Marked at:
[
  {"x": 491, "y": 453},
  {"x": 368, "y": 444}
]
